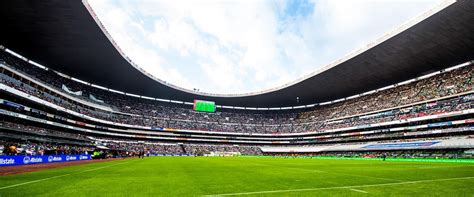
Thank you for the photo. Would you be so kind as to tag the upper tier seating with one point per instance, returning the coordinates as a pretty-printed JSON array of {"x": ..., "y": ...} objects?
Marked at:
[{"x": 400, "y": 102}]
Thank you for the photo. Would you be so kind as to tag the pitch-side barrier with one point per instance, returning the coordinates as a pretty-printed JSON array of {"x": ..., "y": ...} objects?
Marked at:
[{"x": 38, "y": 159}]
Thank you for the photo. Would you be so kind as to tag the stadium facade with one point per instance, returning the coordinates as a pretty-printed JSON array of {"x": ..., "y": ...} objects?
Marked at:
[{"x": 409, "y": 93}]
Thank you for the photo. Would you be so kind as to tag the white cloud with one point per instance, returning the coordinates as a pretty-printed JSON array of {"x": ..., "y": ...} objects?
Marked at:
[
  {"x": 244, "y": 46},
  {"x": 126, "y": 32}
]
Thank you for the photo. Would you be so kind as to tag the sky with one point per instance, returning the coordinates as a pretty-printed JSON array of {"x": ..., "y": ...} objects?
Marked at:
[{"x": 244, "y": 46}]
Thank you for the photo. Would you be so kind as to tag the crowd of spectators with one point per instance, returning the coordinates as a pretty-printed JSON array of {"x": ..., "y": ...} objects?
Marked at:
[
  {"x": 452, "y": 153},
  {"x": 33, "y": 148},
  {"x": 206, "y": 149},
  {"x": 399, "y": 136},
  {"x": 427, "y": 154},
  {"x": 404, "y": 101},
  {"x": 387, "y": 140},
  {"x": 134, "y": 147},
  {"x": 456, "y": 103},
  {"x": 42, "y": 131},
  {"x": 179, "y": 116}
]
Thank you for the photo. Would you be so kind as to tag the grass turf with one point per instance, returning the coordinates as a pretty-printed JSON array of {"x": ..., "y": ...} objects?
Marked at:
[{"x": 190, "y": 176}]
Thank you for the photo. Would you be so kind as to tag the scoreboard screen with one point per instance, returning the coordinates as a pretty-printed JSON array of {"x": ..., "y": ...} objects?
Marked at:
[{"x": 204, "y": 106}]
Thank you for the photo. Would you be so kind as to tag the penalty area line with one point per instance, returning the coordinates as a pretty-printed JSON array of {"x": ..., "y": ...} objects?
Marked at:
[
  {"x": 338, "y": 187},
  {"x": 59, "y": 176},
  {"x": 358, "y": 190}
]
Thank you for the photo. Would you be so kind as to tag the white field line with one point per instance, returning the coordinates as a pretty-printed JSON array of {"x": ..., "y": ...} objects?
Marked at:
[
  {"x": 354, "y": 175},
  {"x": 431, "y": 167},
  {"x": 427, "y": 167},
  {"x": 336, "y": 173},
  {"x": 358, "y": 190},
  {"x": 58, "y": 176},
  {"x": 338, "y": 187}
]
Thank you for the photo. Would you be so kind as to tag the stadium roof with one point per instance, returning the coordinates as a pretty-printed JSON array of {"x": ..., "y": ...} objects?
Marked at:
[{"x": 64, "y": 36}]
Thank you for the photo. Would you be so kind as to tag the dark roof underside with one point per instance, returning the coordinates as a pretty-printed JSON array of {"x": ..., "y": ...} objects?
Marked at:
[{"x": 63, "y": 35}]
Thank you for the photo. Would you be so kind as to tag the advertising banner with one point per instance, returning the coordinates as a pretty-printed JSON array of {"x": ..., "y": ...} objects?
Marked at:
[
  {"x": 402, "y": 145},
  {"x": 36, "y": 159}
]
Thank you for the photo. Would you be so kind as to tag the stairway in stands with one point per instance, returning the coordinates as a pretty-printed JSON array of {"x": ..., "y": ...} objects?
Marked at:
[{"x": 182, "y": 148}]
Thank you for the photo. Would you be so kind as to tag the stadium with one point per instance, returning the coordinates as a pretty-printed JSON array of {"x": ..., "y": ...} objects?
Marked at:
[{"x": 80, "y": 118}]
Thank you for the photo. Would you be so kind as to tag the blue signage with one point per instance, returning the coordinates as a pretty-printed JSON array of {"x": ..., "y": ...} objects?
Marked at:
[
  {"x": 36, "y": 159},
  {"x": 440, "y": 124},
  {"x": 157, "y": 128},
  {"x": 402, "y": 145}
]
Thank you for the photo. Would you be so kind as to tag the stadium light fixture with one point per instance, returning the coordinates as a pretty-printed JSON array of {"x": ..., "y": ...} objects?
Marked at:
[
  {"x": 80, "y": 81},
  {"x": 325, "y": 103},
  {"x": 64, "y": 75},
  {"x": 116, "y": 91},
  {"x": 98, "y": 86},
  {"x": 459, "y": 66},
  {"x": 162, "y": 100},
  {"x": 385, "y": 88},
  {"x": 37, "y": 65},
  {"x": 369, "y": 92},
  {"x": 179, "y": 102},
  {"x": 351, "y": 97},
  {"x": 134, "y": 95},
  {"x": 406, "y": 82},
  {"x": 429, "y": 75},
  {"x": 16, "y": 55}
]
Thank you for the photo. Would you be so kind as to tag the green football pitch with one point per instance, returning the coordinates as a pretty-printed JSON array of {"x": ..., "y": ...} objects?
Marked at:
[{"x": 246, "y": 176}]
